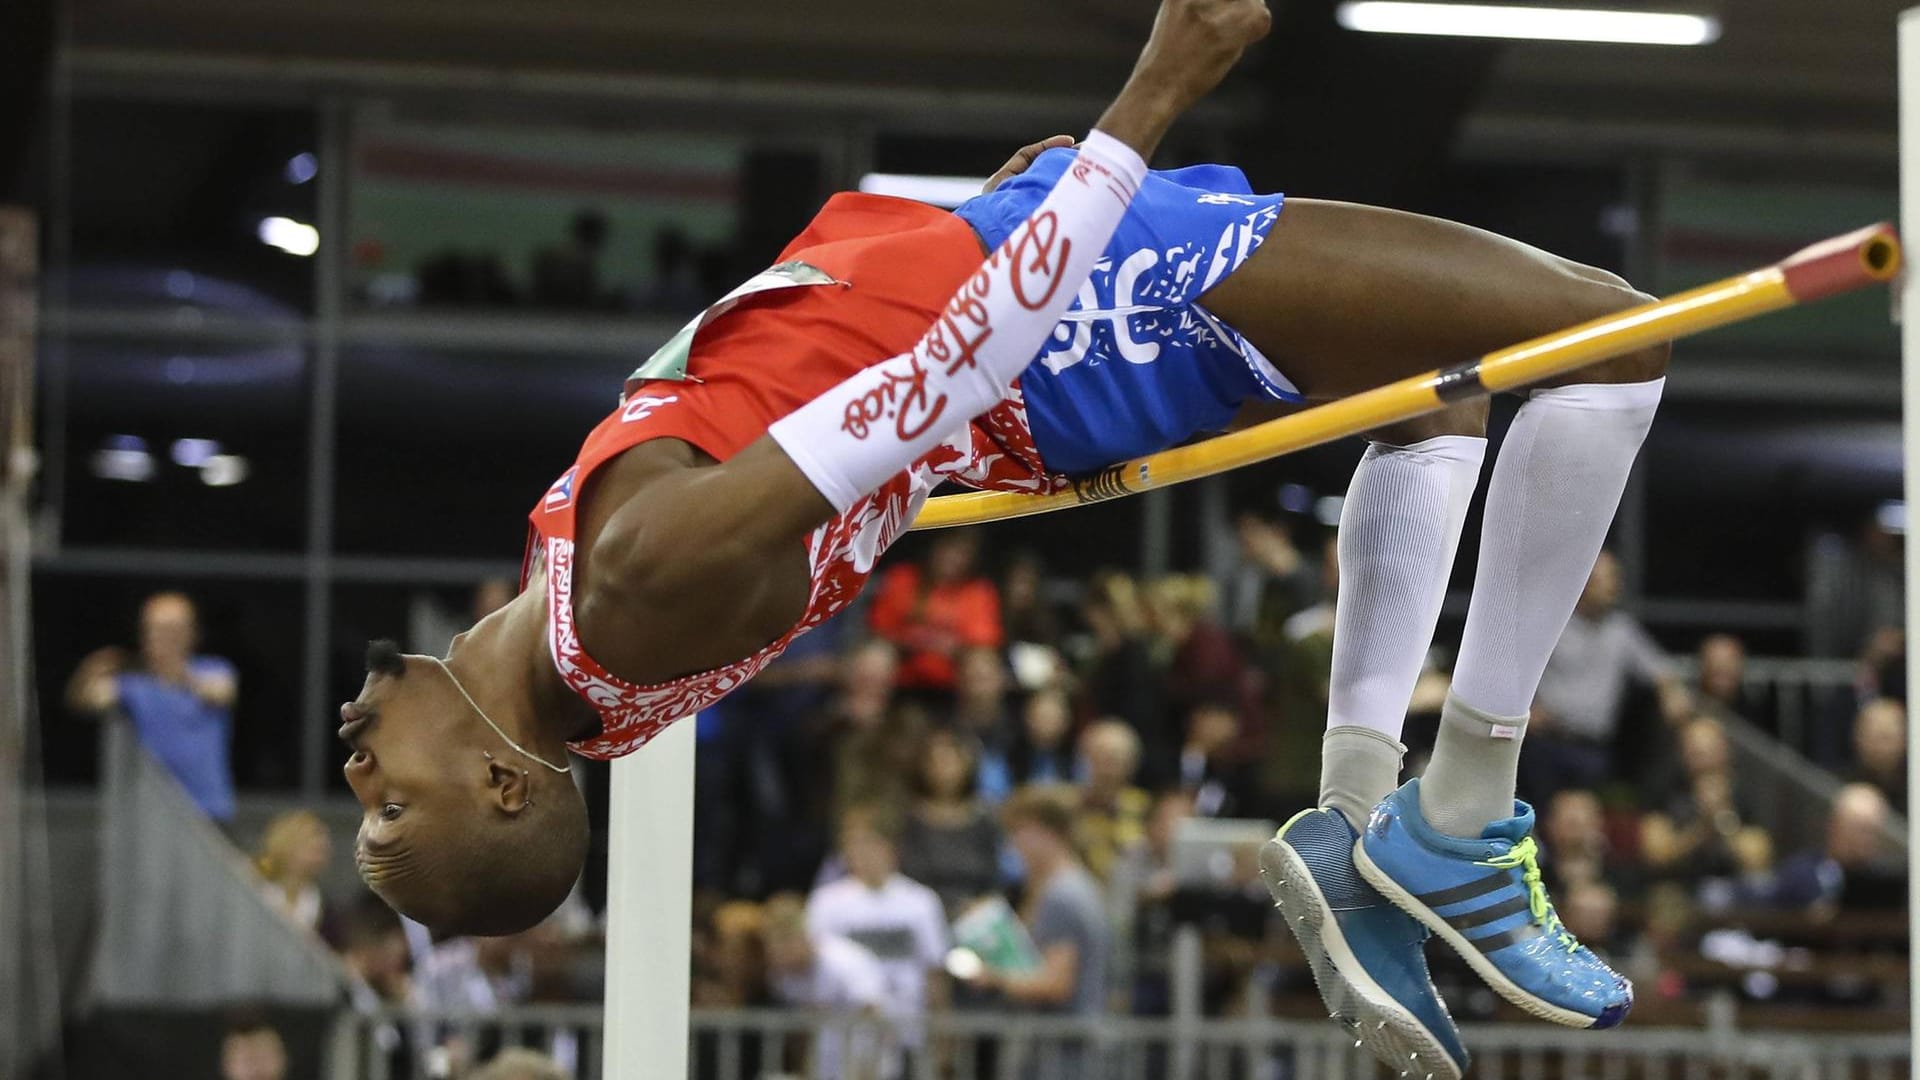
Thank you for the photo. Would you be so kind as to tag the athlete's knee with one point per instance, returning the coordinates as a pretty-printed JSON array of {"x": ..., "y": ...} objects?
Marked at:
[
  {"x": 1604, "y": 293},
  {"x": 1460, "y": 418}
]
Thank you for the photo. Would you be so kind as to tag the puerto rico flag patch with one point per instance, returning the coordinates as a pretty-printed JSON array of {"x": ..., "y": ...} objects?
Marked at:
[{"x": 560, "y": 495}]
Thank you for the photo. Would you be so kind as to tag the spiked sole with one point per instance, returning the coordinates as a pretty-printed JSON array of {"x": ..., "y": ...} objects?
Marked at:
[
  {"x": 1382, "y": 1025},
  {"x": 1477, "y": 960}
]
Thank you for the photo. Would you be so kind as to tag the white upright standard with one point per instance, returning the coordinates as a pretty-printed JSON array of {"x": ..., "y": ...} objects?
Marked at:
[
  {"x": 650, "y": 909},
  {"x": 1908, "y": 300}
]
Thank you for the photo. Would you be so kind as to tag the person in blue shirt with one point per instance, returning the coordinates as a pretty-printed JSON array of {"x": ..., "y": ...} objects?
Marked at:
[{"x": 180, "y": 703}]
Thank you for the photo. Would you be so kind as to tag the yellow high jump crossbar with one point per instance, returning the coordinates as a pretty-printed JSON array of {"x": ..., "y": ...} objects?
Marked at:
[{"x": 1843, "y": 264}]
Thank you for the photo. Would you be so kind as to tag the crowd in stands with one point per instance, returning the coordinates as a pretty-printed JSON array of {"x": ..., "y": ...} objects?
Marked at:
[{"x": 980, "y": 793}]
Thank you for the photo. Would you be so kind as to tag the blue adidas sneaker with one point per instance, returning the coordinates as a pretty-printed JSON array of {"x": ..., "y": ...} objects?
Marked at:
[
  {"x": 1484, "y": 898},
  {"x": 1365, "y": 954}
]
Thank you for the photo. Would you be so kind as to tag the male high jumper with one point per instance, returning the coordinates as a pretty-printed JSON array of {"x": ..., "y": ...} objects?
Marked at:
[{"x": 760, "y": 463}]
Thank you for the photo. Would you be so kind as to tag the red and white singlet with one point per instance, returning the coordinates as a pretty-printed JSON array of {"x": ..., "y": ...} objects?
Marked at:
[{"x": 894, "y": 265}]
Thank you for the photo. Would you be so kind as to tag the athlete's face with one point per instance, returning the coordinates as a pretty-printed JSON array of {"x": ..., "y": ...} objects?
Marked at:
[{"x": 417, "y": 767}]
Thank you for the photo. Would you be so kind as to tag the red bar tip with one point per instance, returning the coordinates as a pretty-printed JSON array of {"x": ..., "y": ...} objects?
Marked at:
[{"x": 1861, "y": 258}]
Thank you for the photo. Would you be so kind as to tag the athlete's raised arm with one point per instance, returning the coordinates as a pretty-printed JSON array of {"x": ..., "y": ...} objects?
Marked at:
[{"x": 850, "y": 440}]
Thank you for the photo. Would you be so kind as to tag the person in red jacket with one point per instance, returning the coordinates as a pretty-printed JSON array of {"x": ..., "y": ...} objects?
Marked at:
[{"x": 933, "y": 614}]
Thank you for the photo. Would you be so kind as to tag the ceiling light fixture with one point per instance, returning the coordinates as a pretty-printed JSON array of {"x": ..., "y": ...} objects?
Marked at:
[
  {"x": 290, "y": 236},
  {"x": 1534, "y": 23}
]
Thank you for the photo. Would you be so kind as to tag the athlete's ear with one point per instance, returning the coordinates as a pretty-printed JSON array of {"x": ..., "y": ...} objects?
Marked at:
[{"x": 509, "y": 788}]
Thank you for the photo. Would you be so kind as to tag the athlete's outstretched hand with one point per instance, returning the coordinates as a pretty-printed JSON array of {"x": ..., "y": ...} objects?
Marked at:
[
  {"x": 1193, "y": 45},
  {"x": 1196, "y": 42},
  {"x": 1022, "y": 158}
]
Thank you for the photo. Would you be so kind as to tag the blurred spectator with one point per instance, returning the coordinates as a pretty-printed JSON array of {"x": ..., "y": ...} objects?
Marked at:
[
  {"x": 180, "y": 703},
  {"x": 475, "y": 279},
  {"x": 1853, "y": 870},
  {"x": 1317, "y": 618},
  {"x": 568, "y": 275},
  {"x": 1855, "y": 587},
  {"x": 1670, "y": 934},
  {"x": 1144, "y": 888},
  {"x": 447, "y": 974},
  {"x": 1880, "y": 749},
  {"x": 1590, "y": 910},
  {"x": 1061, "y": 908},
  {"x": 1272, "y": 581},
  {"x": 1207, "y": 770},
  {"x": 1880, "y": 671},
  {"x": 932, "y": 614},
  {"x": 1043, "y": 754},
  {"x": 951, "y": 842},
  {"x": 1117, "y": 662},
  {"x": 1722, "y": 679},
  {"x": 294, "y": 853},
  {"x": 866, "y": 735},
  {"x": 1577, "y": 710},
  {"x": 433, "y": 618},
  {"x": 1025, "y": 611},
  {"x": 897, "y": 919},
  {"x": 374, "y": 949},
  {"x": 832, "y": 977},
  {"x": 729, "y": 969},
  {"x": 1203, "y": 661},
  {"x": 1297, "y": 660},
  {"x": 1113, "y": 813},
  {"x": 1883, "y": 665},
  {"x": 729, "y": 955},
  {"x": 252, "y": 1049},
  {"x": 1577, "y": 849},
  {"x": 520, "y": 1063},
  {"x": 676, "y": 279},
  {"x": 1297, "y": 657},
  {"x": 769, "y": 757},
  {"x": 1702, "y": 831},
  {"x": 980, "y": 712}
]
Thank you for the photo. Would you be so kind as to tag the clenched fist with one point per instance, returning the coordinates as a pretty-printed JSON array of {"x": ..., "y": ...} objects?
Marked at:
[{"x": 1196, "y": 42}]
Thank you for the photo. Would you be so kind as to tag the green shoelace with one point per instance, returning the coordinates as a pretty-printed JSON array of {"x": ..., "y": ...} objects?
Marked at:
[{"x": 1525, "y": 857}]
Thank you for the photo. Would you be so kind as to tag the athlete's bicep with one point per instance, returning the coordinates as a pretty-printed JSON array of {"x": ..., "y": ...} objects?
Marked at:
[{"x": 724, "y": 530}]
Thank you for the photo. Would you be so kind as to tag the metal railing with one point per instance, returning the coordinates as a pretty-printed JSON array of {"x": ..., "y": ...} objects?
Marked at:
[
  {"x": 1797, "y": 690},
  {"x": 768, "y": 1044}
]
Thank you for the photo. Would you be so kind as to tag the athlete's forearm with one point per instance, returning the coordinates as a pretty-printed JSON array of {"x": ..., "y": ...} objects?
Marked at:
[
  {"x": 863, "y": 432},
  {"x": 1140, "y": 116}
]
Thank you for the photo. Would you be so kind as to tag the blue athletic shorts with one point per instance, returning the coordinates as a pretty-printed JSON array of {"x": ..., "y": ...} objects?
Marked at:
[{"x": 1137, "y": 365}]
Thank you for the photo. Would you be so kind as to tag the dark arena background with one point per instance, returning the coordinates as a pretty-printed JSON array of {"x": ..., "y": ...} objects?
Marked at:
[{"x": 304, "y": 305}]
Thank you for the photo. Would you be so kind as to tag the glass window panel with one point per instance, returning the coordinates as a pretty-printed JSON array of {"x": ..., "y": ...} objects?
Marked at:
[
  {"x": 444, "y": 453},
  {"x": 1736, "y": 493},
  {"x": 1714, "y": 227},
  {"x": 554, "y": 218},
  {"x": 186, "y": 446},
  {"x": 168, "y": 201}
]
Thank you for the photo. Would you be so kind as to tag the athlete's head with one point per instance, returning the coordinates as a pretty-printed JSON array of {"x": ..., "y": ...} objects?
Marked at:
[{"x": 461, "y": 831}]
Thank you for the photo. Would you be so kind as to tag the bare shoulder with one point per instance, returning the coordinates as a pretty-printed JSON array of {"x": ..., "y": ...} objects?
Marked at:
[{"x": 662, "y": 588}]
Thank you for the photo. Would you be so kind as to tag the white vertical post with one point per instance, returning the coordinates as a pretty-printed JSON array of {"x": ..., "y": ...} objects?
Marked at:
[
  {"x": 650, "y": 909},
  {"x": 1909, "y": 310}
]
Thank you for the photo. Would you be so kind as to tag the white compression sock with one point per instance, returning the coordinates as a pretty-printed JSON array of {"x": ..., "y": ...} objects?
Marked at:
[
  {"x": 1399, "y": 530},
  {"x": 1556, "y": 484}
]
